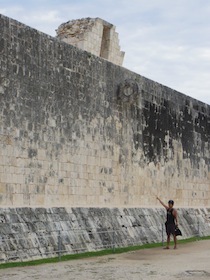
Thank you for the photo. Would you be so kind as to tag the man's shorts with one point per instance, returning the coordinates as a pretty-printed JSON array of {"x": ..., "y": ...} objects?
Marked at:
[{"x": 170, "y": 229}]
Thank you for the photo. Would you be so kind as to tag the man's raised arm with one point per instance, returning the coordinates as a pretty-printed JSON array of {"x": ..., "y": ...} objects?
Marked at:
[{"x": 164, "y": 205}]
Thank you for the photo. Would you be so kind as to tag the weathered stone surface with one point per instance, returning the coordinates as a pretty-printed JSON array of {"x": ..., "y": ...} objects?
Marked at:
[
  {"x": 76, "y": 130},
  {"x": 93, "y": 35},
  {"x": 35, "y": 233}
]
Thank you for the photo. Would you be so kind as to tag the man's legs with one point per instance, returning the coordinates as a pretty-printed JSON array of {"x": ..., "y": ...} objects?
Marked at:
[
  {"x": 168, "y": 241},
  {"x": 175, "y": 241}
]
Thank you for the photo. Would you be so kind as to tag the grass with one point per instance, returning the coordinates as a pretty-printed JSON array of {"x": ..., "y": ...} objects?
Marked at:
[{"x": 95, "y": 254}]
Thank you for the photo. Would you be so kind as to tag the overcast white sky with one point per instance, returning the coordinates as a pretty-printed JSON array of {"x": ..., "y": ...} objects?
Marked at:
[{"x": 166, "y": 41}]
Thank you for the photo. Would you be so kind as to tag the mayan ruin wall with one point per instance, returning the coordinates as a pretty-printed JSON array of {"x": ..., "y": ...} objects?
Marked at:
[
  {"x": 86, "y": 145},
  {"x": 79, "y": 130}
]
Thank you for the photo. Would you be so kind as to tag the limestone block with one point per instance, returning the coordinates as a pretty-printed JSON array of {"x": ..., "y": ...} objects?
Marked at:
[{"x": 36, "y": 200}]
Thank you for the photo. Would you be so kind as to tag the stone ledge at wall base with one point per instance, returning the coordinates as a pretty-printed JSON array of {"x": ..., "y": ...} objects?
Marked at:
[{"x": 34, "y": 233}]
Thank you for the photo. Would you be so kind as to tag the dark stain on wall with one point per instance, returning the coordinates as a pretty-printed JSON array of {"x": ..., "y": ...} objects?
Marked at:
[
  {"x": 160, "y": 121},
  {"x": 180, "y": 123}
]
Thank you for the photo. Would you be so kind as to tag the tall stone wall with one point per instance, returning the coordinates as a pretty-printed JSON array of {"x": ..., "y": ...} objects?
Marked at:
[{"x": 76, "y": 130}]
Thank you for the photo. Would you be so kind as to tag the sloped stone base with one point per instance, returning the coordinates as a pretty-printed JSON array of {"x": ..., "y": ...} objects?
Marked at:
[{"x": 32, "y": 233}]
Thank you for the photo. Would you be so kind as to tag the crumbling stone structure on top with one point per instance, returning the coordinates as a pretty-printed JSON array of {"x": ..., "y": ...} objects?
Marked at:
[{"x": 93, "y": 35}]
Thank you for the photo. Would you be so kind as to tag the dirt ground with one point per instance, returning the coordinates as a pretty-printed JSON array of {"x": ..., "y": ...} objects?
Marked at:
[{"x": 189, "y": 261}]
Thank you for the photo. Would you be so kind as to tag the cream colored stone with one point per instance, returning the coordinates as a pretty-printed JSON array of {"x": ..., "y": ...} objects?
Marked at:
[{"x": 95, "y": 36}]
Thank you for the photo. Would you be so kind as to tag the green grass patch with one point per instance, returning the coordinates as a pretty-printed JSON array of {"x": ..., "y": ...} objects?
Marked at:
[{"x": 96, "y": 254}]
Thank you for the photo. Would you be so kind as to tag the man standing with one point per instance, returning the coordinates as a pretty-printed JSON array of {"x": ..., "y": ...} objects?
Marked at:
[{"x": 171, "y": 222}]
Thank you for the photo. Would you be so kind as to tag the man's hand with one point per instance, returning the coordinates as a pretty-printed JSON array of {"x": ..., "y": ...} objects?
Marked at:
[{"x": 164, "y": 205}]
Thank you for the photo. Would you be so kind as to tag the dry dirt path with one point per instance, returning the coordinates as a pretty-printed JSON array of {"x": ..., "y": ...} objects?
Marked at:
[{"x": 190, "y": 261}]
